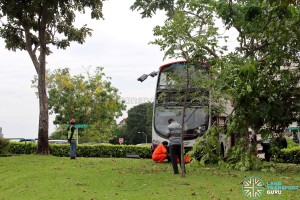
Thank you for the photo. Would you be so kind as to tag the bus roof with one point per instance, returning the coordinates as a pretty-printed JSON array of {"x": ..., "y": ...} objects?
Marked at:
[
  {"x": 163, "y": 66},
  {"x": 175, "y": 62}
]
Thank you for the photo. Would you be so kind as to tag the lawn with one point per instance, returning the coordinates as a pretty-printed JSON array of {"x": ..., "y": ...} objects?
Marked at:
[{"x": 49, "y": 177}]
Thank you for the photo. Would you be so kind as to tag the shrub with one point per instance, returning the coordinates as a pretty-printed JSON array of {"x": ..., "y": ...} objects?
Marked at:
[
  {"x": 291, "y": 155},
  {"x": 22, "y": 148},
  {"x": 4, "y": 145},
  {"x": 99, "y": 150},
  {"x": 291, "y": 143}
]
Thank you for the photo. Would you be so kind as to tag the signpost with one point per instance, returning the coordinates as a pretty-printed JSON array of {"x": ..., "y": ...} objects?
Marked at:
[
  {"x": 121, "y": 140},
  {"x": 81, "y": 125}
]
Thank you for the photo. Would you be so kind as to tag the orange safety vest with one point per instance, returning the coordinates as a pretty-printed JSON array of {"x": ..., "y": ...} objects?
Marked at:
[{"x": 187, "y": 159}]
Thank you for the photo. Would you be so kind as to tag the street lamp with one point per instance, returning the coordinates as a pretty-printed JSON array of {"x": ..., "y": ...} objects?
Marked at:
[
  {"x": 144, "y": 76},
  {"x": 145, "y": 135}
]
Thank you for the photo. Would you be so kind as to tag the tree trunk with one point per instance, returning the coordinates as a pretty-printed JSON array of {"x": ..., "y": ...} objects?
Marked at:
[
  {"x": 186, "y": 93},
  {"x": 40, "y": 66},
  {"x": 43, "y": 146},
  {"x": 182, "y": 160}
]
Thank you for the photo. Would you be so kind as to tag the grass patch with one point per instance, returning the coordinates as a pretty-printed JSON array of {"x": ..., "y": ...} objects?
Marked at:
[{"x": 50, "y": 177}]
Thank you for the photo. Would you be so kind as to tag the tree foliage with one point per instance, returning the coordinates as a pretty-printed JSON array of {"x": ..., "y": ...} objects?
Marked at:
[
  {"x": 120, "y": 132},
  {"x": 149, "y": 8},
  {"x": 35, "y": 26},
  {"x": 261, "y": 75},
  {"x": 89, "y": 99},
  {"x": 59, "y": 133},
  {"x": 139, "y": 123}
]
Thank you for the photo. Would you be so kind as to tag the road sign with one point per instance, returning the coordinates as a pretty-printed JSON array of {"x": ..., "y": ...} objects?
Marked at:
[
  {"x": 81, "y": 125},
  {"x": 121, "y": 140}
]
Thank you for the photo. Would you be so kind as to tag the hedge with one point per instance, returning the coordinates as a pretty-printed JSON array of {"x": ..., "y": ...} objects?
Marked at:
[
  {"x": 101, "y": 150},
  {"x": 22, "y": 147},
  {"x": 291, "y": 155},
  {"x": 4, "y": 145}
]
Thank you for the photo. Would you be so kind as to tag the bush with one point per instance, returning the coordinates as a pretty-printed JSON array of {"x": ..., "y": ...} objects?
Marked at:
[
  {"x": 4, "y": 145},
  {"x": 291, "y": 155},
  {"x": 291, "y": 143},
  {"x": 22, "y": 148},
  {"x": 99, "y": 150}
]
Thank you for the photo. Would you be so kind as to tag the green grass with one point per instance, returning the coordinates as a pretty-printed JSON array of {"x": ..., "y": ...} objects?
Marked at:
[{"x": 49, "y": 177}]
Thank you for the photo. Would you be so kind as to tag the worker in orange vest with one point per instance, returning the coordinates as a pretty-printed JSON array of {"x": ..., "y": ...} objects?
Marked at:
[{"x": 161, "y": 152}]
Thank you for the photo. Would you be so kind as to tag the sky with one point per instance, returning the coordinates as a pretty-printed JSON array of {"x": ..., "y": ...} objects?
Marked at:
[{"x": 119, "y": 44}]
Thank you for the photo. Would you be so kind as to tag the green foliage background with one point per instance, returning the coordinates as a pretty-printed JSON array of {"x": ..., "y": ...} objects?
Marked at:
[
  {"x": 139, "y": 120},
  {"x": 89, "y": 99}
]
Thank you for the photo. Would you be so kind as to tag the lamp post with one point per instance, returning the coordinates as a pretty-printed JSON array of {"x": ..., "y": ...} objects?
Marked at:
[
  {"x": 145, "y": 135},
  {"x": 144, "y": 76}
]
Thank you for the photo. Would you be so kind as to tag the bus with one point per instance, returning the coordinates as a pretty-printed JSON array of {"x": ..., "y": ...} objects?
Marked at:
[{"x": 197, "y": 114}]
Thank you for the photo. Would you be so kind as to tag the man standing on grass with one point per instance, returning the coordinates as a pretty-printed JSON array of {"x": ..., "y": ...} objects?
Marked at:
[
  {"x": 174, "y": 135},
  {"x": 72, "y": 139}
]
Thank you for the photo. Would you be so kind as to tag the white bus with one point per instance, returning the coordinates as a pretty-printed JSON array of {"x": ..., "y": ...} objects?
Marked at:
[{"x": 167, "y": 105}]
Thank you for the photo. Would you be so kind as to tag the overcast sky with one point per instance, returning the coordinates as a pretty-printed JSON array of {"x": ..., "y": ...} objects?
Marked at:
[{"x": 119, "y": 44}]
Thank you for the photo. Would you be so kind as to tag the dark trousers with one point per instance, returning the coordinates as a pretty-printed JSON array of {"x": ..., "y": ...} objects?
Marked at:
[
  {"x": 73, "y": 145},
  {"x": 175, "y": 152}
]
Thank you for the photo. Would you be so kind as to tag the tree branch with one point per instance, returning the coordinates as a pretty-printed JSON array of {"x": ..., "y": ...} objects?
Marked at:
[
  {"x": 257, "y": 48},
  {"x": 28, "y": 43}
]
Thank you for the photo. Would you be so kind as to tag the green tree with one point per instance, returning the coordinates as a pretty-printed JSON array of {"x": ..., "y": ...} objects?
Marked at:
[
  {"x": 59, "y": 133},
  {"x": 37, "y": 25},
  {"x": 139, "y": 123},
  {"x": 261, "y": 75},
  {"x": 102, "y": 131},
  {"x": 120, "y": 132},
  {"x": 89, "y": 99}
]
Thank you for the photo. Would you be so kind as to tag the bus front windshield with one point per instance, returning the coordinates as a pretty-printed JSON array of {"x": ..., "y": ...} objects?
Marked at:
[
  {"x": 169, "y": 102},
  {"x": 176, "y": 75},
  {"x": 195, "y": 120}
]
